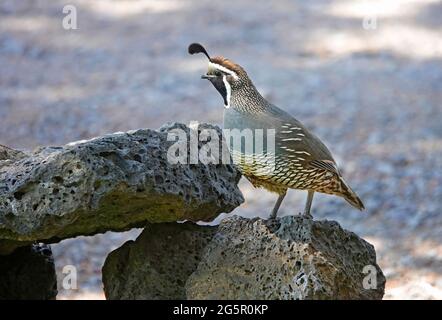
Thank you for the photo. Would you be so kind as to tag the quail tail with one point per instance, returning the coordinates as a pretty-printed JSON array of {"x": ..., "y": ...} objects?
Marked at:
[{"x": 350, "y": 196}]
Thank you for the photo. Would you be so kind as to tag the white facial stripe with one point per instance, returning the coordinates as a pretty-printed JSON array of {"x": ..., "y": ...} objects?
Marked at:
[
  {"x": 228, "y": 90},
  {"x": 223, "y": 69}
]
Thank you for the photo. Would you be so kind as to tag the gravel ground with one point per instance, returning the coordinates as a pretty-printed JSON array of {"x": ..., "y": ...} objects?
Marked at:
[{"x": 374, "y": 95}]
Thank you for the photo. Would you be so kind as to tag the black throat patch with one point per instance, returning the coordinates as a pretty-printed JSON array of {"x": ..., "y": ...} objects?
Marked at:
[{"x": 221, "y": 87}]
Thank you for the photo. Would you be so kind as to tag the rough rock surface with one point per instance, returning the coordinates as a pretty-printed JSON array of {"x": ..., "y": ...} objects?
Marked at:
[
  {"x": 291, "y": 258},
  {"x": 114, "y": 182},
  {"x": 9, "y": 156},
  {"x": 28, "y": 273},
  {"x": 157, "y": 264}
]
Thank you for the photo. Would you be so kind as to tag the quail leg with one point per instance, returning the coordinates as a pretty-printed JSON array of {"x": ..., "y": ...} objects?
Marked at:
[
  {"x": 277, "y": 205},
  {"x": 308, "y": 204}
]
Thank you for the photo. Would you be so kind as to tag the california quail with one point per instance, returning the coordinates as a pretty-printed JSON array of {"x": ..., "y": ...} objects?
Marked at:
[{"x": 301, "y": 160}]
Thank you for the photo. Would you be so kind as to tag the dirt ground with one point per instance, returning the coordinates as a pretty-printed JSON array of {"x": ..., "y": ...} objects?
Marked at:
[{"x": 365, "y": 76}]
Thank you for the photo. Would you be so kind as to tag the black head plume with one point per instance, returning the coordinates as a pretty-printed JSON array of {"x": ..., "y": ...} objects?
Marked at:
[{"x": 197, "y": 48}]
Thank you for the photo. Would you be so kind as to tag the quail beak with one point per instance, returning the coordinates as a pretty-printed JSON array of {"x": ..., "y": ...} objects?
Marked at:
[{"x": 207, "y": 76}]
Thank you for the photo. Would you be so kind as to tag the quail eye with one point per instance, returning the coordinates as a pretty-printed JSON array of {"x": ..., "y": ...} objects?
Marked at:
[{"x": 218, "y": 73}]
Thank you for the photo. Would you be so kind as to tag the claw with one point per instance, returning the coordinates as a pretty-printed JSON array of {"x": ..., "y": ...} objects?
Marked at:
[{"x": 308, "y": 216}]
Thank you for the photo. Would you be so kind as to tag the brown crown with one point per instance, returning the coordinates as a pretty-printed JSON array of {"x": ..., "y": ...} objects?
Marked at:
[{"x": 228, "y": 64}]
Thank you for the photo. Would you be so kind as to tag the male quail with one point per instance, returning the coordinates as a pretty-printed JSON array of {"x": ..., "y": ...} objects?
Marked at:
[{"x": 301, "y": 160}]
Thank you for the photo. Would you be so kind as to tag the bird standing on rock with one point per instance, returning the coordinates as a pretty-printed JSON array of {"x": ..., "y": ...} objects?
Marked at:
[{"x": 301, "y": 160}]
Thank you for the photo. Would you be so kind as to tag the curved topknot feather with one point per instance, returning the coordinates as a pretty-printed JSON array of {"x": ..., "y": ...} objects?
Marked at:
[{"x": 198, "y": 48}]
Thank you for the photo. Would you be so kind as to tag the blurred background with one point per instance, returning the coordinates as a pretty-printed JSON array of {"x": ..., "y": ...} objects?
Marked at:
[{"x": 365, "y": 76}]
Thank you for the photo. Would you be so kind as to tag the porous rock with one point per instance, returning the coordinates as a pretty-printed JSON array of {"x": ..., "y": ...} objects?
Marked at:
[
  {"x": 157, "y": 264},
  {"x": 9, "y": 156},
  {"x": 28, "y": 273},
  {"x": 293, "y": 258},
  {"x": 288, "y": 258},
  {"x": 114, "y": 182}
]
